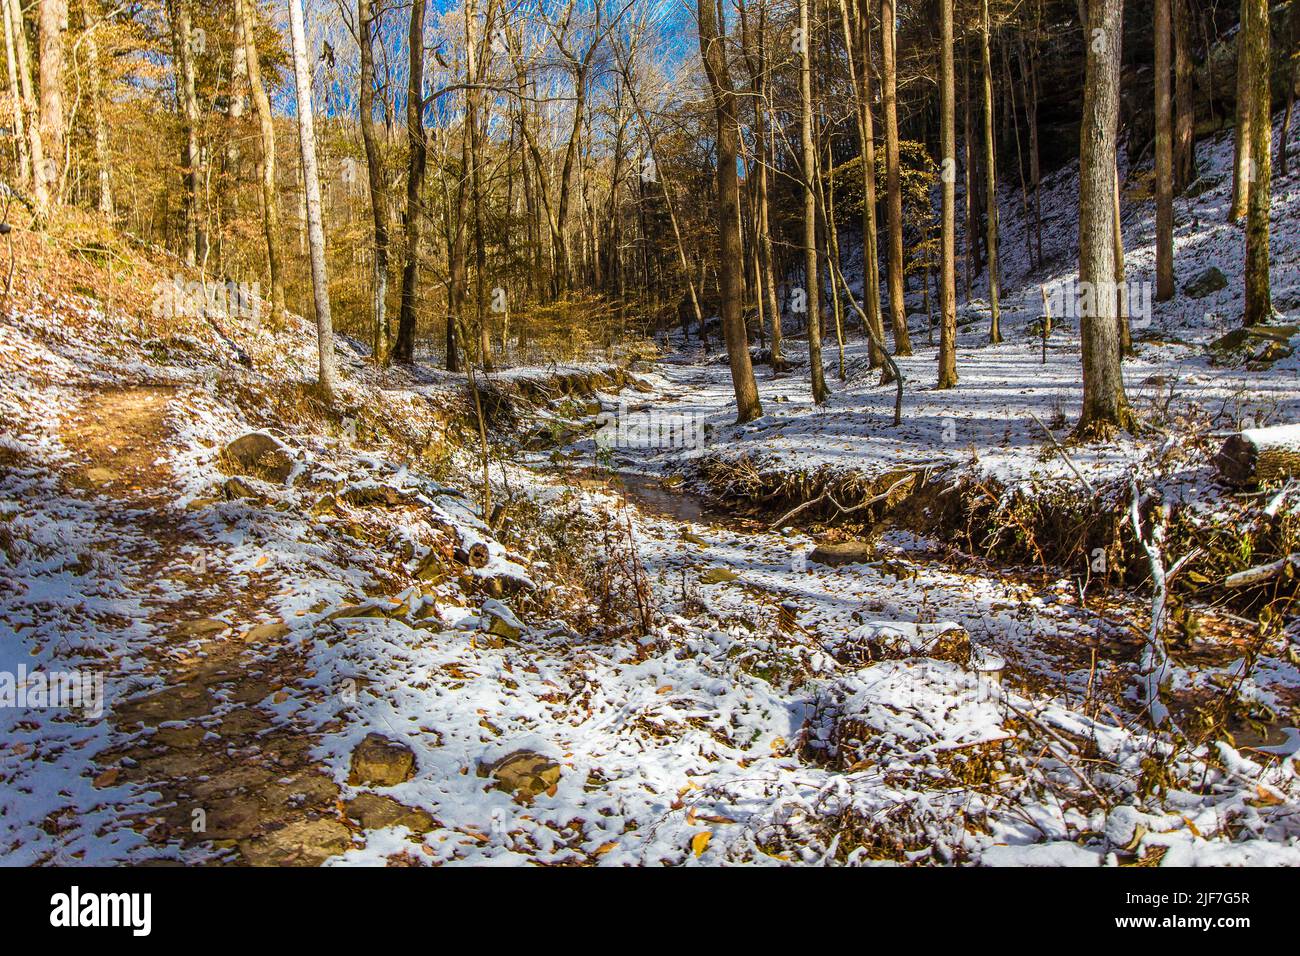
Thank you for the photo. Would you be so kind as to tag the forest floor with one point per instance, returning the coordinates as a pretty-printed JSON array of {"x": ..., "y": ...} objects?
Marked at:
[{"x": 321, "y": 652}]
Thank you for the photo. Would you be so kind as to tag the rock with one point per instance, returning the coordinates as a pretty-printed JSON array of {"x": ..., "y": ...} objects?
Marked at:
[
  {"x": 524, "y": 773},
  {"x": 501, "y": 621},
  {"x": 1259, "y": 345},
  {"x": 298, "y": 843},
  {"x": 200, "y": 627},
  {"x": 375, "y": 811},
  {"x": 1211, "y": 280},
  {"x": 262, "y": 633},
  {"x": 235, "y": 488},
  {"x": 718, "y": 576},
  {"x": 259, "y": 455},
  {"x": 379, "y": 761},
  {"x": 834, "y": 554}
]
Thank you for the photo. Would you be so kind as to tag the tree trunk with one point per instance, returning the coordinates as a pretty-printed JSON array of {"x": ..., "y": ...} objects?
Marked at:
[
  {"x": 266, "y": 157},
  {"x": 380, "y": 331},
  {"x": 713, "y": 53},
  {"x": 41, "y": 170},
  {"x": 812, "y": 285},
  {"x": 893, "y": 184},
  {"x": 404, "y": 349},
  {"x": 948, "y": 210},
  {"x": 19, "y": 104},
  {"x": 1241, "y": 178},
  {"x": 311, "y": 182},
  {"x": 1164, "y": 153},
  {"x": 1184, "y": 104},
  {"x": 1259, "y": 307},
  {"x": 103, "y": 162},
  {"x": 183, "y": 49},
  {"x": 870, "y": 249},
  {"x": 53, "y": 24},
  {"x": 990, "y": 182},
  {"x": 473, "y": 75},
  {"x": 1105, "y": 406}
]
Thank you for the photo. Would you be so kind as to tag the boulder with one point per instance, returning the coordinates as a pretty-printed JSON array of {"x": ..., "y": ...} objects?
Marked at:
[
  {"x": 524, "y": 773},
  {"x": 1207, "y": 282},
  {"x": 259, "y": 455},
  {"x": 375, "y": 811},
  {"x": 853, "y": 551},
  {"x": 501, "y": 621},
  {"x": 298, "y": 843},
  {"x": 236, "y": 488},
  {"x": 379, "y": 761}
]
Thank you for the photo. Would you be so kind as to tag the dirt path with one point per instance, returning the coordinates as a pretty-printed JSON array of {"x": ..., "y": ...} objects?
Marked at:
[{"x": 230, "y": 779}]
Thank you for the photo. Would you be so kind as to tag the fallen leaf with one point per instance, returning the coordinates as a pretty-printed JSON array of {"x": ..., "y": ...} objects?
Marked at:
[{"x": 700, "y": 842}]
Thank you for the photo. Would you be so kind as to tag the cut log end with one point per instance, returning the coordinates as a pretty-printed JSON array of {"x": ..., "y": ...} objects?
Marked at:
[{"x": 1260, "y": 455}]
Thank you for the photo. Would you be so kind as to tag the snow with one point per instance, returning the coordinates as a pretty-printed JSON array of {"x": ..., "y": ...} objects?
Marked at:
[{"x": 733, "y": 732}]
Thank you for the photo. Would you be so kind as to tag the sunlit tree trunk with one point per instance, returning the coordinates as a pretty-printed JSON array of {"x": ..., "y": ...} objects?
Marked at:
[
  {"x": 990, "y": 182},
  {"x": 713, "y": 53},
  {"x": 311, "y": 182},
  {"x": 1241, "y": 178},
  {"x": 893, "y": 183},
  {"x": 53, "y": 24},
  {"x": 1184, "y": 105},
  {"x": 812, "y": 284},
  {"x": 1255, "y": 47},
  {"x": 380, "y": 332},
  {"x": 1164, "y": 153},
  {"x": 183, "y": 49},
  {"x": 19, "y": 104},
  {"x": 265, "y": 157},
  {"x": 404, "y": 348},
  {"x": 948, "y": 205}
]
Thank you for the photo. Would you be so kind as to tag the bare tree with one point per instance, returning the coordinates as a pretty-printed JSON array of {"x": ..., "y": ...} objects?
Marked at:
[
  {"x": 990, "y": 181},
  {"x": 53, "y": 24},
  {"x": 418, "y": 145},
  {"x": 21, "y": 103},
  {"x": 893, "y": 183},
  {"x": 1164, "y": 153},
  {"x": 311, "y": 181},
  {"x": 103, "y": 162},
  {"x": 731, "y": 266},
  {"x": 948, "y": 210},
  {"x": 183, "y": 49},
  {"x": 812, "y": 284},
  {"x": 367, "y": 17},
  {"x": 247, "y": 26},
  {"x": 1105, "y": 407},
  {"x": 1254, "y": 47}
]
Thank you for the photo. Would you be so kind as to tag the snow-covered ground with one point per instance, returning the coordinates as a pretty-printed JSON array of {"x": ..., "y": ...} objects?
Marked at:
[
  {"x": 629, "y": 678},
  {"x": 994, "y": 422}
]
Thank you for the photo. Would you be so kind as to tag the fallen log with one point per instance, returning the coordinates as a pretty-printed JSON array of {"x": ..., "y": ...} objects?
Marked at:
[
  {"x": 1284, "y": 567},
  {"x": 1259, "y": 455}
]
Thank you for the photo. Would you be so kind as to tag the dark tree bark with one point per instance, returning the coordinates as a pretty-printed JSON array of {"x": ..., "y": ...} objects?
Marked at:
[
  {"x": 1105, "y": 406},
  {"x": 404, "y": 348},
  {"x": 948, "y": 210},
  {"x": 731, "y": 269}
]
